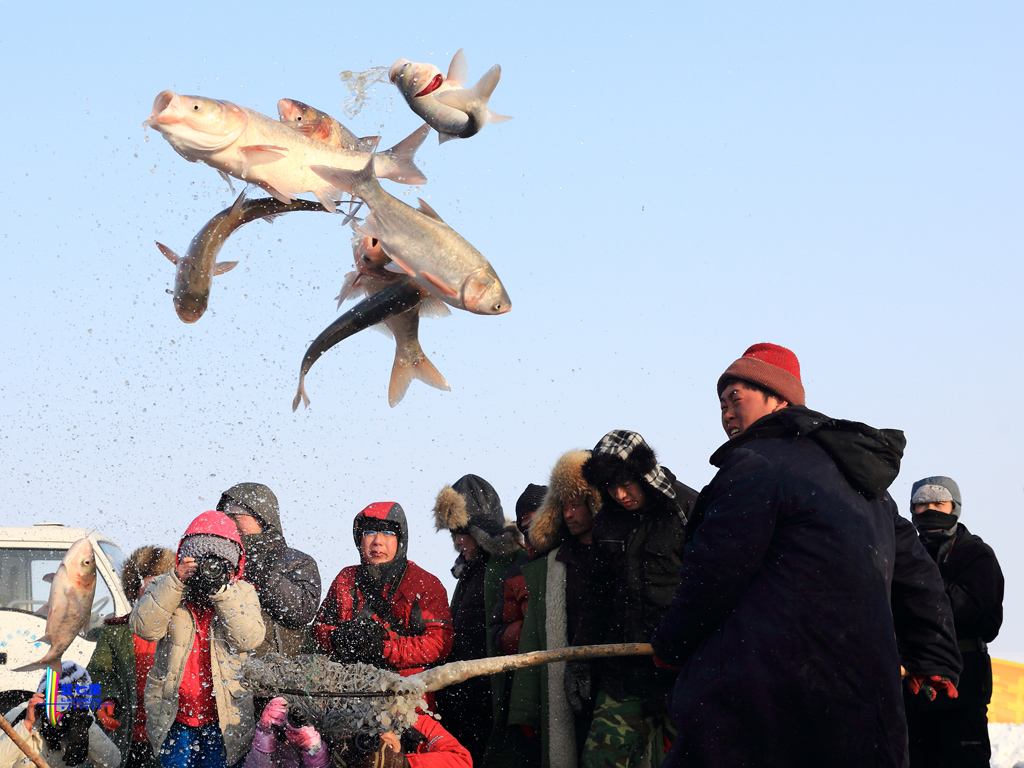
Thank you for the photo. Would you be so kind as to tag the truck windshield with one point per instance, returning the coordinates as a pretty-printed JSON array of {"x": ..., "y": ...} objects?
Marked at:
[
  {"x": 25, "y": 578},
  {"x": 114, "y": 554}
]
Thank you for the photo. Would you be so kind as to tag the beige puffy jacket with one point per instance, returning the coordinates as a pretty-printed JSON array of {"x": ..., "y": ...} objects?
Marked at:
[
  {"x": 236, "y": 629},
  {"x": 102, "y": 751}
]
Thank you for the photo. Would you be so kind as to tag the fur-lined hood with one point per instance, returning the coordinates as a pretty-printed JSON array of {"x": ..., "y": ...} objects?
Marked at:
[
  {"x": 471, "y": 505},
  {"x": 567, "y": 482}
]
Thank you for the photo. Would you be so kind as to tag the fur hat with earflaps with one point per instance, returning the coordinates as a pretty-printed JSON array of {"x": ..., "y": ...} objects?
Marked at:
[
  {"x": 471, "y": 505},
  {"x": 622, "y": 456},
  {"x": 566, "y": 483}
]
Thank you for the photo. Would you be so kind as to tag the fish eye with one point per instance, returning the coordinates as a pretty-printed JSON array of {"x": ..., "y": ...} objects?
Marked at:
[{"x": 195, "y": 107}]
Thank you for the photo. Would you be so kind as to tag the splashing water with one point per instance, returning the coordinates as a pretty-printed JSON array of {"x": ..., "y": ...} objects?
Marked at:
[{"x": 358, "y": 83}]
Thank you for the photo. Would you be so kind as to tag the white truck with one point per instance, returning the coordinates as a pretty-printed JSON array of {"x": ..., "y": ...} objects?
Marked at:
[{"x": 29, "y": 557}]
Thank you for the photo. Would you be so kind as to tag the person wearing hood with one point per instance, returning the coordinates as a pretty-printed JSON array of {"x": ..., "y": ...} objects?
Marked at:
[
  {"x": 205, "y": 620},
  {"x": 954, "y": 732},
  {"x": 558, "y": 581},
  {"x": 74, "y": 740},
  {"x": 487, "y": 545},
  {"x": 121, "y": 660},
  {"x": 507, "y": 746},
  {"x": 802, "y": 590},
  {"x": 286, "y": 580},
  {"x": 639, "y": 538},
  {"x": 386, "y": 611}
]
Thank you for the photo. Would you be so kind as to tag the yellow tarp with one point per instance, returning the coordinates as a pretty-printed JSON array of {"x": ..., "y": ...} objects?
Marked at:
[{"x": 1007, "y": 692}]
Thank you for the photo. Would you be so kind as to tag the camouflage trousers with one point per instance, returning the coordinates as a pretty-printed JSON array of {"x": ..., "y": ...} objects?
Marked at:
[{"x": 623, "y": 735}]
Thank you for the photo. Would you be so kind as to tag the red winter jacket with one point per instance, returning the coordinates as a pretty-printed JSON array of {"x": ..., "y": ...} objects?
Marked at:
[
  {"x": 440, "y": 750},
  {"x": 423, "y": 635}
]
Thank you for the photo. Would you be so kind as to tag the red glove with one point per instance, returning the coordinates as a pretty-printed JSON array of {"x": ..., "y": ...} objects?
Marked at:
[
  {"x": 664, "y": 664},
  {"x": 930, "y": 685},
  {"x": 305, "y": 738},
  {"x": 105, "y": 716},
  {"x": 275, "y": 713}
]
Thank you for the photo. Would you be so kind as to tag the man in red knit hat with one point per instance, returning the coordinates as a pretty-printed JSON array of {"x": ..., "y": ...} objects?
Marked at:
[{"x": 801, "y": 591}]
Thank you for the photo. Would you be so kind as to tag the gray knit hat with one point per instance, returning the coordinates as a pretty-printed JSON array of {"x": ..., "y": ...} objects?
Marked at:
[
  {"x": 200, "y": 544},
  {"x": 937, "y": 488}
]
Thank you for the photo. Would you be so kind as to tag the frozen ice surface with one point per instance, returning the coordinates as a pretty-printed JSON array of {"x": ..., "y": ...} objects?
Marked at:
[{"x": 1007, "y": 744}]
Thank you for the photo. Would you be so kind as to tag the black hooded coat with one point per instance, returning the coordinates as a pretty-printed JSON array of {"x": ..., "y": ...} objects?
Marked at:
[
  {"x": 801, "y": 592},
  {"x": 286, "y": 580}
]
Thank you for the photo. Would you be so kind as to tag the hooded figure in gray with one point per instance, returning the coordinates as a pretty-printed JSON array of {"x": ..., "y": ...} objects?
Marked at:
[{"x": 286, "y": 580}]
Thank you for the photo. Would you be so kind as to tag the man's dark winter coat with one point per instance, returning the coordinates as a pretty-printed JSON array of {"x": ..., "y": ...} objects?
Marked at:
[
  {"x": 953, "y": 733},
  {"x": 286, "y": 580},
  {"x": 782, "y": 621}
]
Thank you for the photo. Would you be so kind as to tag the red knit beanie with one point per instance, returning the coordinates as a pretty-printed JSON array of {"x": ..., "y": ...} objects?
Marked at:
[{"x": 769, "y": 366}]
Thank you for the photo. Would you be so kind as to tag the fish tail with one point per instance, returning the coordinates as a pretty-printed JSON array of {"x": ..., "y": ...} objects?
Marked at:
[
  {"x": 402, "y": 155},
  {"x": 406, "y": 369},
  {"x": 301, "y": 394},
  {"x": 353, "y": 182}
]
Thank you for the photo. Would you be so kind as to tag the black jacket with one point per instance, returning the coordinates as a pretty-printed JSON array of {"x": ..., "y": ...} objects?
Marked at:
[
  {"x": 974, "y": 583},
  {"x": 782, "y": 621},
  {"x": 637, "y": 556}
]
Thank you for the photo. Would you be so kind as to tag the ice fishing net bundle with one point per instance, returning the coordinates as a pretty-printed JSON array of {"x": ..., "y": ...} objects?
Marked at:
[{"x": 342, "y": 700}]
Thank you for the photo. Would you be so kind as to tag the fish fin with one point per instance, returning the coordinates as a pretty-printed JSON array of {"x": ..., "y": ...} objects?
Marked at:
[
  {"x": 327, "y": 201},
  {"x": 461, "y": 99},
  {"x": 443, "y": 137},
  {"x": 458, "y": 70},
  {"x": 32, "y": 667},
  {"x": 354, "y": 206},
  {"x": 404, "y": 370},
  {"x": 402, "y": 154},
  {"x": 171, "y": 255},
  {"x": 368, "y": 228},
  {"x": 438, "y": 283},
  {"x": 347, "y": 181},
  {"x": 466, "y": 99},
  {"x": 224, "y": 266},
  {"x": 401, "y": 266},
  {"x": 382, "y": 327},
  {"x": 228, "y": 179},
  {"x": 256, "y": 150},
  {"x": 44, "y": 639},
  {"x": 426, "y": 208},
  {"x": 348, "y": 287},
  {"x": 277, "y": 194},
  {"x": 367, "y": 144},
  {"x": 300, "y": 395},
  {"x": 433, "y": 307},
  {"x": 236, "y": 207},
  {"x": 494, "y": 117}
]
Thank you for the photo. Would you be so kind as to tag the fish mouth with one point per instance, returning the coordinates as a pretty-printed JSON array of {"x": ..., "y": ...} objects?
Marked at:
[
  {"x": 396, "y": 70},
  {"x": 160, "y": 103},
  {"x": 432, "y": 86},
  {"x": 188, "y": 314}
]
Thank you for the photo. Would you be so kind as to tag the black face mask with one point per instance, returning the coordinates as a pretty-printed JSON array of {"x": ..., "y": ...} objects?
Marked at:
[
  {"x": 932, "y": 521},
  {"x": 212, "y": 573}
]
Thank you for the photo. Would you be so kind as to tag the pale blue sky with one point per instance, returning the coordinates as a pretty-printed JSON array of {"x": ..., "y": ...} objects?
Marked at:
[{"x": 679, "y": 181}]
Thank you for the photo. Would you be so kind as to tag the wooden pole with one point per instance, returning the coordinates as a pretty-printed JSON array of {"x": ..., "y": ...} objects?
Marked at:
[
  {"x": 30, "y": 753},
  {"x": 459, "y": 671}
]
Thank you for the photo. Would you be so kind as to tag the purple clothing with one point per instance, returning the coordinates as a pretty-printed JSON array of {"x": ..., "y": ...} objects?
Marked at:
[{"x": 270, "y": 752}]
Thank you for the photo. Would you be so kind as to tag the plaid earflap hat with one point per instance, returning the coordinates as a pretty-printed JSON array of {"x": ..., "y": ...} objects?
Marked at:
[{"x": 621, "y": 456}]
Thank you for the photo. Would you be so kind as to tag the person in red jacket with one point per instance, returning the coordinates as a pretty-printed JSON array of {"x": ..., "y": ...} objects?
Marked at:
[
  {"x": 386, "y": 611},
  {"x": 426, "y": 745}
]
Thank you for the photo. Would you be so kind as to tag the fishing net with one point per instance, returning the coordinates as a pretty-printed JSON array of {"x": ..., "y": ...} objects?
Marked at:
[{"x": 342, "y": 700}]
